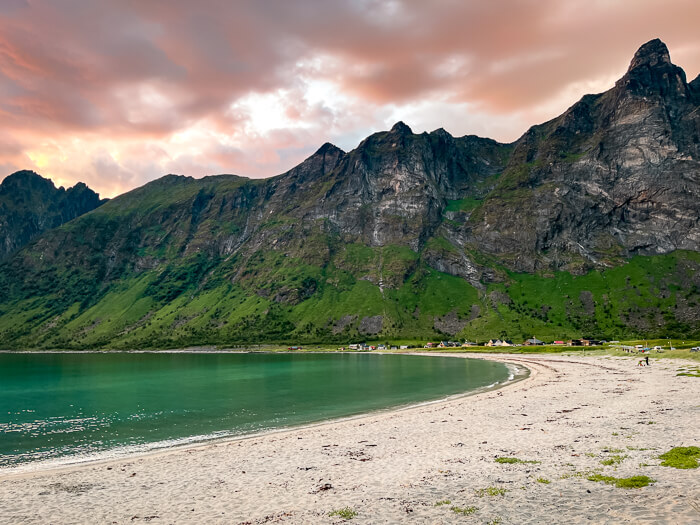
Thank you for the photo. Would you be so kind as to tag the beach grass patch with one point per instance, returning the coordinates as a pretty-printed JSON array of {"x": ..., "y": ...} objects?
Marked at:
[
  {"x": 513, "y": 461},
  {"x": 495, "y": 521},
  {"x": 634, "y": 482},
  {"x": 544, "y": 481},
  {"x": 575, "y": 474},
  {"x": 490, "y": 491},
  {"x": 614, "y": 460},
  {"x": 681, "y": 457},
  {"x": 464, "y": 511},
  {"x": 442, "y": 502},
  {"x": 345, "y": 513}
]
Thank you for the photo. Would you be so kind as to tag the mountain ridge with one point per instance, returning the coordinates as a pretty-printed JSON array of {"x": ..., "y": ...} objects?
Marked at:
[
  {"x": 586, "y": 225},
  {"x": 31, "y": 204}
]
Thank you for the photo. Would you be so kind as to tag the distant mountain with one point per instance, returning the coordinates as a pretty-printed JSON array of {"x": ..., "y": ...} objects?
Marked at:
[
  {"x": 31, "y": 204},
  {"x": 587, "y": 225}
]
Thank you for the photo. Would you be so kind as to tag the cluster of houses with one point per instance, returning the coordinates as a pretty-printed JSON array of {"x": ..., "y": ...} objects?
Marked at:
[
  {"x": 492, "y": 342},
  {"x": 533, "y": 341},
  {"x": 367, "y": 348}
]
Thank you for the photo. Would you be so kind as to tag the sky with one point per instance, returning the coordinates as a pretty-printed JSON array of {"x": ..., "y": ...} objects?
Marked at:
[{"x": 118, "y": 93}]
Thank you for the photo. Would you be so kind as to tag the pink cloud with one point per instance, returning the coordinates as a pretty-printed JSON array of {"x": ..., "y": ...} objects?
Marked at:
[{"x": 118, "y": 93}]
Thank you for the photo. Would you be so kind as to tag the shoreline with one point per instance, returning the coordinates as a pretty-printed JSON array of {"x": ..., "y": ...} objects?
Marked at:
[
  {"x": 521, "y": 373},
  {"x": 569, "y": 416}
]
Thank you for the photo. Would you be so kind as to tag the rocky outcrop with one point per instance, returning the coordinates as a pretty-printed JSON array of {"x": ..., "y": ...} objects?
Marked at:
[{"x": 31, "y": 204}]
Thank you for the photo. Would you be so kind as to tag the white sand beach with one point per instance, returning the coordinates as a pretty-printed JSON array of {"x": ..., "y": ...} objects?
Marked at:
[{"x": 396, "y": 467}]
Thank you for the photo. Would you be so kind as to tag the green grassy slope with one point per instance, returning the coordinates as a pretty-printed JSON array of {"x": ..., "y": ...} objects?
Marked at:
[{"x": 285, "y": 299}]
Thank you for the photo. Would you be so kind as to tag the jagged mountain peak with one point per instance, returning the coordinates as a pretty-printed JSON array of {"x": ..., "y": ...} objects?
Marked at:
[
  {"x": 329, "y": 148},
  {"x": 401, "y": 128},
  {"x": 25, "y": 180},
  {"x": 441, "y": 132},
  {"x": 651, "y": 54},
  {"x": 651, "y": 72}
]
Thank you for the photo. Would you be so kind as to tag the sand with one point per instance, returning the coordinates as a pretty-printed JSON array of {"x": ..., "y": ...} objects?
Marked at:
[{"x": 396, "y": 467}]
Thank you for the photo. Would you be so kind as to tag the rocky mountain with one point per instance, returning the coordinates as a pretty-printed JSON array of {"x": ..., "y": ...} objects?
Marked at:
[
  {"x": 617, "y": 175},
  {"x": 31, "y": 204},
  {"x": 587, "y": 225}
]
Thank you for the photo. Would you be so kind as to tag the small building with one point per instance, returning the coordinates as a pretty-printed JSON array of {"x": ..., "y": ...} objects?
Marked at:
[
  {"x": 533, "y": 342},
  {"x": 574, "y": 342},
  {"x": 558, "y": 343},
  {"x": 499, "y": 342},
  {"x": 404, "y": 347}
]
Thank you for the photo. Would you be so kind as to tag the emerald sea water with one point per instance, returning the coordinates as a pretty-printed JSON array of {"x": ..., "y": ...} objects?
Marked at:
[{"x": 60, "y": 408}]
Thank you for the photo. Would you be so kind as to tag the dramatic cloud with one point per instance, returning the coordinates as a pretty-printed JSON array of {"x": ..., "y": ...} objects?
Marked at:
[{"x": 118, "y": 93}]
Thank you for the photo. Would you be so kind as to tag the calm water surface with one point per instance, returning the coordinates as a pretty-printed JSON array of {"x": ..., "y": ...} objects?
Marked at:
[{"x": 57, "y": 408}]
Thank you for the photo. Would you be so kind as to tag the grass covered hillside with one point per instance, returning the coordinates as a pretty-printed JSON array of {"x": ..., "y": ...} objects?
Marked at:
[{"x": 335, "y": 292}]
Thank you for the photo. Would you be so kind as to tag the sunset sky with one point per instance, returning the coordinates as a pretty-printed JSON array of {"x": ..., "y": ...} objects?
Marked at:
[{"x": 118, "y": 93}]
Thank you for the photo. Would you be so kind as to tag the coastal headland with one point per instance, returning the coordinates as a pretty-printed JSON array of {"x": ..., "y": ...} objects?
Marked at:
[{"x": 552, "y": 447}]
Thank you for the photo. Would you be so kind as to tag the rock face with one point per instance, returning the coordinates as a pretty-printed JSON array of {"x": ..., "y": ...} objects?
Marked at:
[
  {"x": 31, "y": 204},
  {"x": 406, "y": 235},
  {"x": 618, "y": 174}
]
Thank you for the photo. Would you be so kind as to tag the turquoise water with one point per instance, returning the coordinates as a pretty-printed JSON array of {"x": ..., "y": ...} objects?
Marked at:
[{"x": 69, "y": 407}]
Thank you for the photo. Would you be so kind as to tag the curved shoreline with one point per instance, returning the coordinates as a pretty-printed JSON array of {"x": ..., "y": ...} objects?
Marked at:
[
  {"x": 27, "y": 470},
  {"x": 570, "y": 416}
]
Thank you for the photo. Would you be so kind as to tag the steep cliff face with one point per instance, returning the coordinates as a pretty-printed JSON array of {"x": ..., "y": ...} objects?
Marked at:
[
  {"x": 587, "y": 225},
  {"x": 31, "y": 204},
  {"x": 391, "y": 189},
  {"x": 616, "y": 175}
]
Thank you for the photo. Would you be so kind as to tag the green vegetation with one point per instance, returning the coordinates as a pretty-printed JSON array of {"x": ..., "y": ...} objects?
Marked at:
[
  {"x": 614, "y": 460},
  {"x": 462, "y": 205},
  {"x": 464, "y": 511},
  {"x": 689, "y": 372},
  {"x": 442, "y": 502},
  {"x": 544, "y": 481},
  {"x": 345, "y": 513},
  {"x": 633, "y": 482},
  {"x": 509, "y": 460},
  {"x": 490, "y": 491},
  {"x": 681, "y": 457}
]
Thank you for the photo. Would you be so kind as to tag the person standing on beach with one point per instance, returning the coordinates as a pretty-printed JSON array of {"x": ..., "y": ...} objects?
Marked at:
[{"x": 647, "y": 358}]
